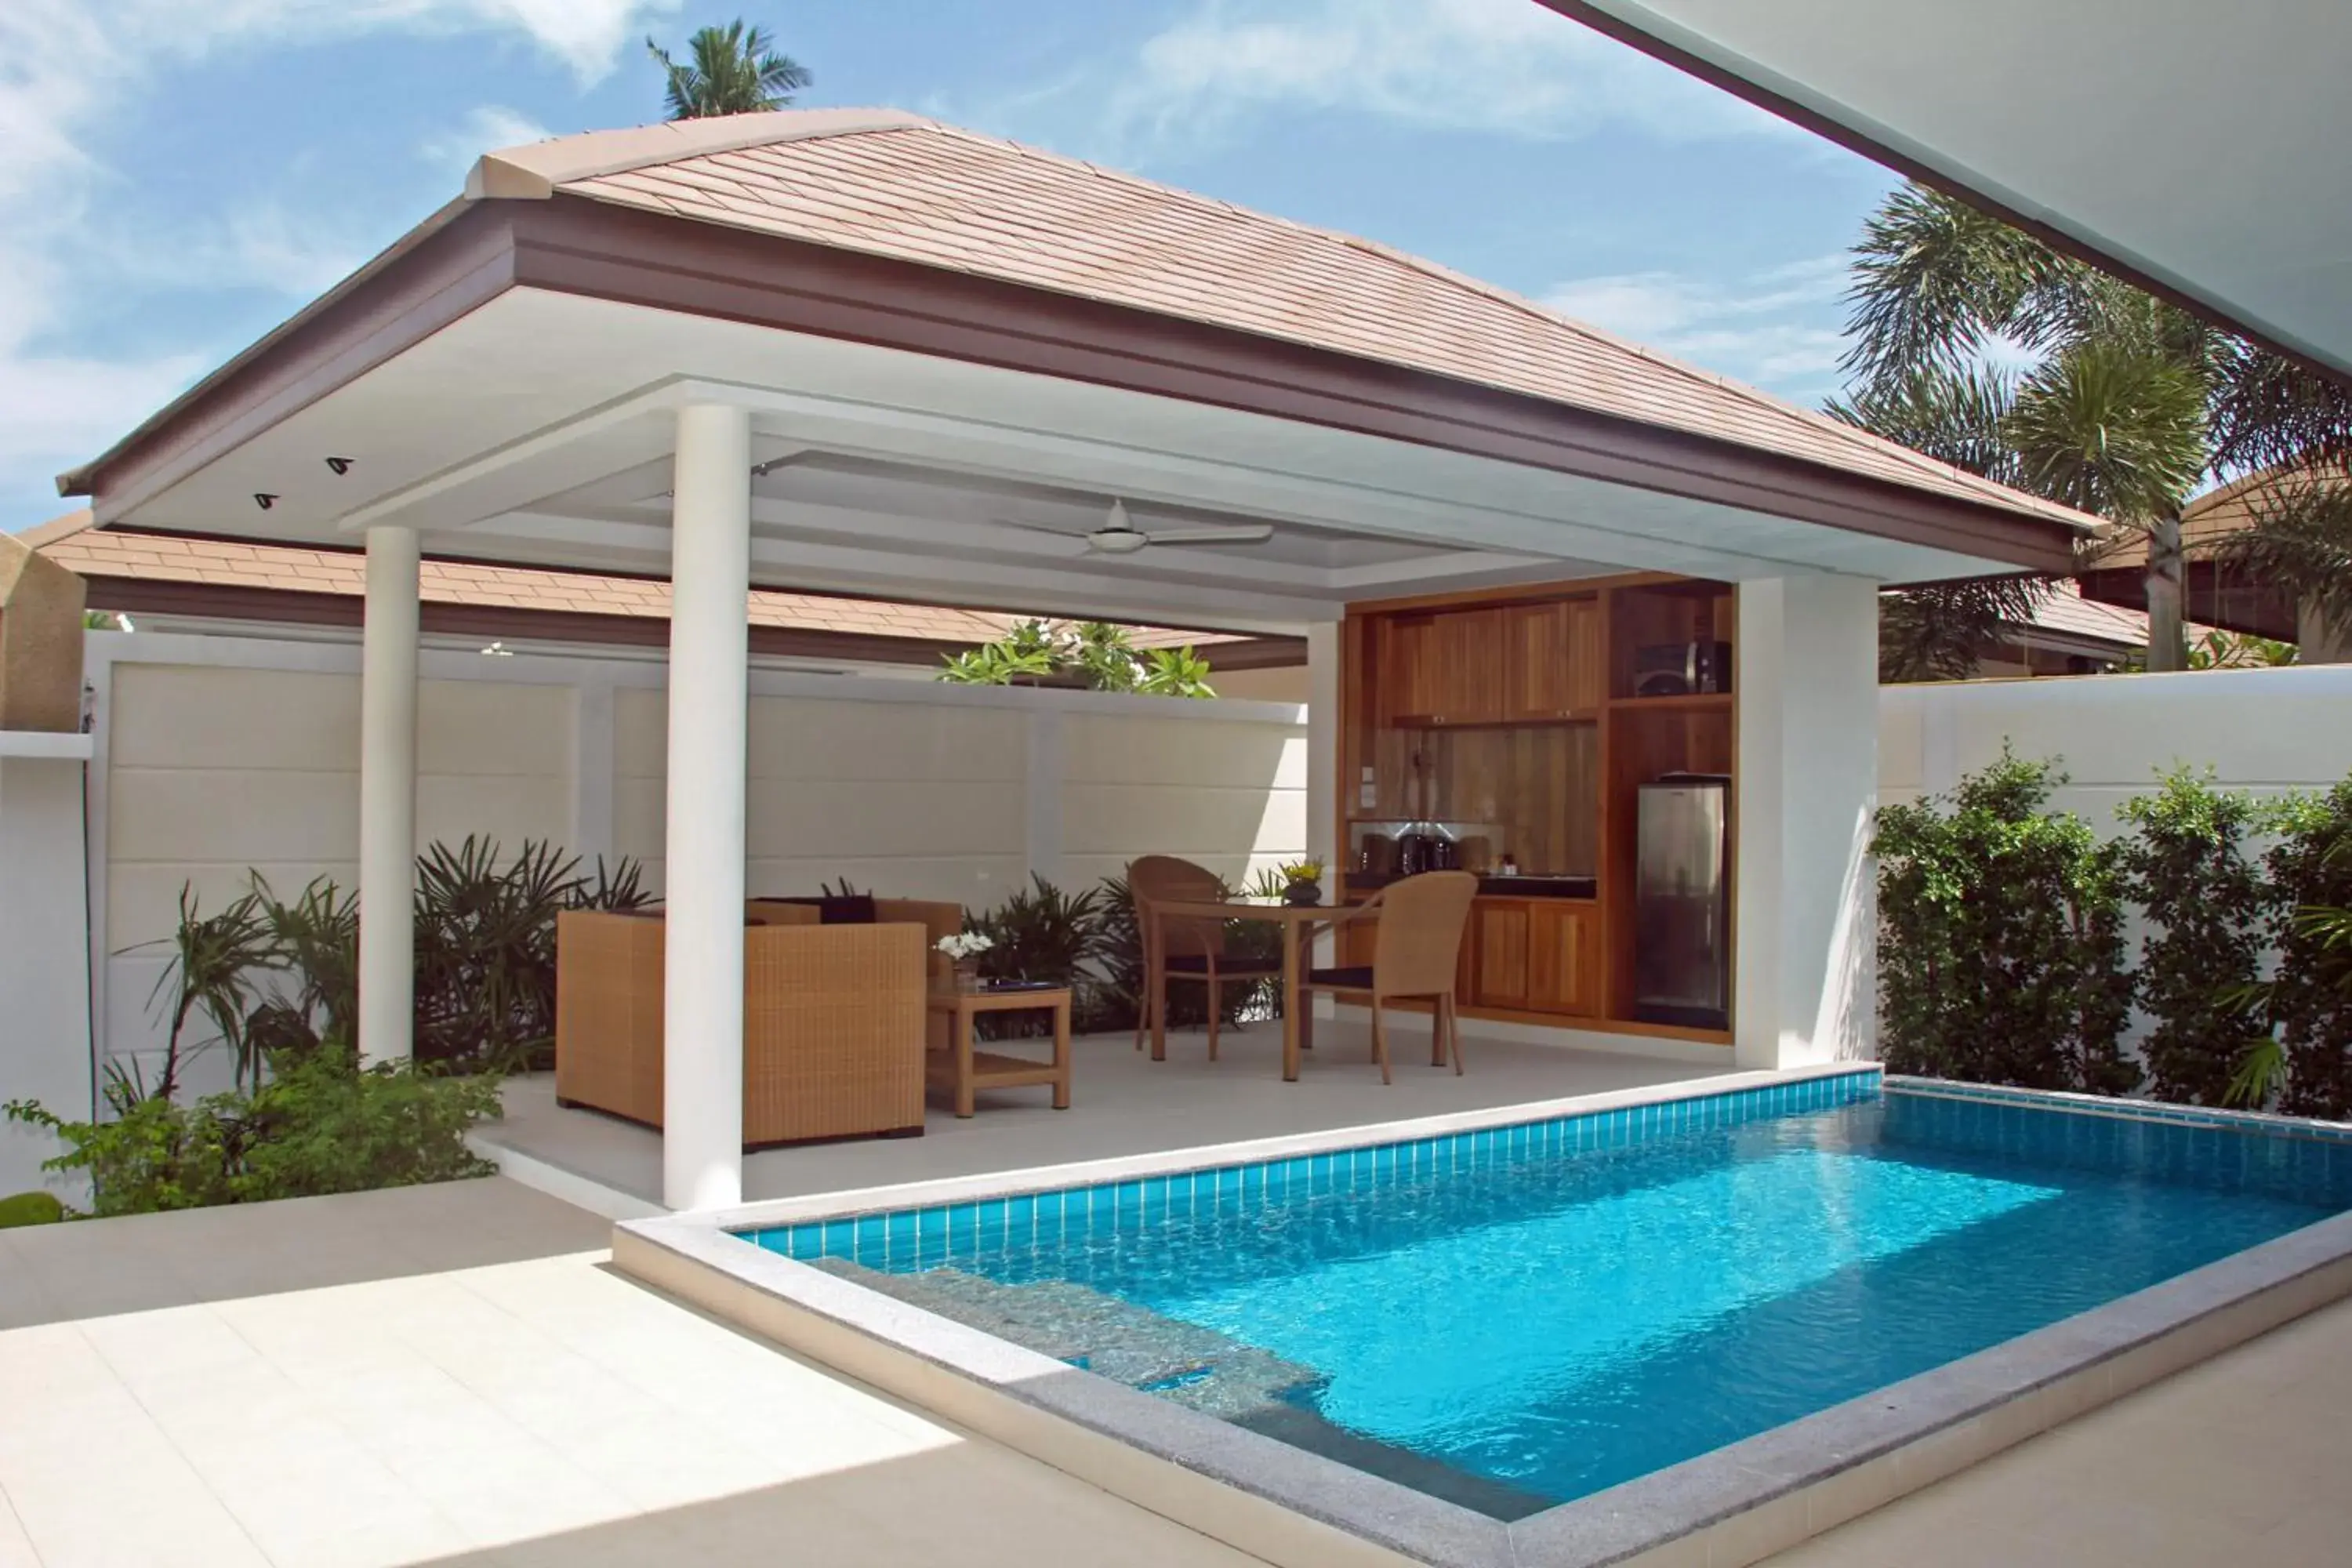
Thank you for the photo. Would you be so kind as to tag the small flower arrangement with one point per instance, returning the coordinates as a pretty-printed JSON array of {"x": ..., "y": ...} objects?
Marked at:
[
  {"x": 1303, "y": 883},
  {"x": 964, "y": 944}
]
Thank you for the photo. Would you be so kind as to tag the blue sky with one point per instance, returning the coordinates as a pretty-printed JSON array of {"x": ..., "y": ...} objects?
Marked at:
[{"x": 176, "y": 176}]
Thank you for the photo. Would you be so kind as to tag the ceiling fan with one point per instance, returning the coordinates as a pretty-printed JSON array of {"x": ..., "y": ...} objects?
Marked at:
[{"x": 1119, "y": 536}]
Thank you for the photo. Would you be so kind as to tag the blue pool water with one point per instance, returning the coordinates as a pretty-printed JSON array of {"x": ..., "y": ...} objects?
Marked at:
[{"x": 1522, "y": 1317}]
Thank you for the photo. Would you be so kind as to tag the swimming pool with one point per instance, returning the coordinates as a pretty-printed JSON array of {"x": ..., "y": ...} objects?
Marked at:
[{"x": 1512, "y": 1318}]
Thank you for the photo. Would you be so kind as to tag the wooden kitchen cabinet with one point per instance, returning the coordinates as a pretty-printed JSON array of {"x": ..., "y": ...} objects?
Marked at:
[
  {"x": 1563, "y": 962},
  {"x": 1553, "y": 663},
  {"x": 1445, "y": 670},
  {"x": 1409, "y": 662},
  {"x": 1498, "y": 943}
]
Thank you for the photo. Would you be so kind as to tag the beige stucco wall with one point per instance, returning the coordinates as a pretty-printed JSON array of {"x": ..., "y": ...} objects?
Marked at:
[
  {"x": 213, "y": 771},
  {"x": 916, "y": 800},
  {"x": 1231, "y": 797},
  {"x": 2267, "y": 730},
  {"x": 1285, "y": 683}
]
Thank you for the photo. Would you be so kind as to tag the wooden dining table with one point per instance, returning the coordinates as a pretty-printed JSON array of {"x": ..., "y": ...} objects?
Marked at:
[{"x": 1299, "y": 923}]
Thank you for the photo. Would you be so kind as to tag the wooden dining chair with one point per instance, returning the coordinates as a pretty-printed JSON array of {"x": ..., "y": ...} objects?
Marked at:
[
  {"x": 1179, "y": 947},
  {"x": 1416, "y": 950}
]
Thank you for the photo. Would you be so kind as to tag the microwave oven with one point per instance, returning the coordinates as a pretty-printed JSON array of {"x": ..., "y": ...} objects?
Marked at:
[{"x": 1680, "y": 669}]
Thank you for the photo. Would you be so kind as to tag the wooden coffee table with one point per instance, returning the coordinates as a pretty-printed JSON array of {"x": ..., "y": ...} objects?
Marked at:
[{"x": 966, "y": 1071}]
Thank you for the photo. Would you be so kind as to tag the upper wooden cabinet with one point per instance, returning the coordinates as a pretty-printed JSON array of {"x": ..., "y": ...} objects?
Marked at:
[
  {"x": 1521, "y": 664},
  {"x": 1443, "y": 670},
  {"x": 1553, "y": 662}
]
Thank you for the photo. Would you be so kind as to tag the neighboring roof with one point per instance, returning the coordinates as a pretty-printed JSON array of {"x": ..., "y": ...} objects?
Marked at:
[
  {"x": 242, "y": 569},
  {"x": 896, "y": 184},
  {"x": 2205, "y": 521},
  {"x": 904, "y": 191},
  {"x": 2067, "y": 614}
]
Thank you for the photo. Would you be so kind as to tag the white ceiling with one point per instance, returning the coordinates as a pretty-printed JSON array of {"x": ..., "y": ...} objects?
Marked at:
[
  {"x": 539, "y": 429},
  {"x": 2202, "y": 143}
]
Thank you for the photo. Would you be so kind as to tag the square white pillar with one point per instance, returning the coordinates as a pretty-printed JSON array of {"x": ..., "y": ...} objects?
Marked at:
[
  {"x": 387, "y": 978},
  {"x": 1805, "y": 933},
  {"x": 709, "y": 646},
  {"x": 1323, "y": 834}
]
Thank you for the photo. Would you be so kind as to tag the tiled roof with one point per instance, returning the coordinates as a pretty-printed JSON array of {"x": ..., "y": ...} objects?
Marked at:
[
  {"x": 899, "y": 185},
  {"x": 71, "y": 541},
  {"x": 2205, "y": 521},
  {"x": 2065, "y": 613}
]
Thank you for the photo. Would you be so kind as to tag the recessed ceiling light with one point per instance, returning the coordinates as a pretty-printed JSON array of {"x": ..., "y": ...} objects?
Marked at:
[
  {"x": 264, "y": 500},
  {"x": 340, "y": 465}
]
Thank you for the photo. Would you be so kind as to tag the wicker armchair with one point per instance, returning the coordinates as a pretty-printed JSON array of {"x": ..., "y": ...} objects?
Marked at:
[
  {"x": 833, "y": 1022},
  {"x": 1415, "y": 950},
  {"x": 1178, "y": 948}
]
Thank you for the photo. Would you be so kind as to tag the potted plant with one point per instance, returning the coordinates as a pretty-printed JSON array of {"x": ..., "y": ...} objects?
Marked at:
[
  {"x": 1303, "y": 883},
  {"x": 965, "y": 948}
]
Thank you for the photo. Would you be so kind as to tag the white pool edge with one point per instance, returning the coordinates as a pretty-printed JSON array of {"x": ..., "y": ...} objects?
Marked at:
[{"x": 1732, "y": 1506}]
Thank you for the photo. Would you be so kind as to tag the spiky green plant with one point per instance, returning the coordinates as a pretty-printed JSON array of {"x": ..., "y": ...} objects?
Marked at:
[{"x": 733, "y": 70}]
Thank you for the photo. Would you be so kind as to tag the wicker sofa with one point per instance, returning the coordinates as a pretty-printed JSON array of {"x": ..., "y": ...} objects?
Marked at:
[{"x": 834, "y": 1018}]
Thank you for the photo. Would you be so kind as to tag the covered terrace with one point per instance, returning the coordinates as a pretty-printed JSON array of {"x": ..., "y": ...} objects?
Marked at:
[{"x": 864, "y": 353}]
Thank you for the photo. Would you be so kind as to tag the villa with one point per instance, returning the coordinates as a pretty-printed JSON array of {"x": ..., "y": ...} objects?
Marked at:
[{"x": 1587, "y": 761}]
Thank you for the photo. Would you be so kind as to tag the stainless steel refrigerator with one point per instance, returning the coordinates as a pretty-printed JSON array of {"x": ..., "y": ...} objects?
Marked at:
[{"x": 1682, "y": 913}]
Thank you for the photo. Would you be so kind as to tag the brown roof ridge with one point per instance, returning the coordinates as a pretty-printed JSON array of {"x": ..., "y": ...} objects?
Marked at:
[
  {"x": 43, "y": 534},
  {"x": 532, "y": 170}
]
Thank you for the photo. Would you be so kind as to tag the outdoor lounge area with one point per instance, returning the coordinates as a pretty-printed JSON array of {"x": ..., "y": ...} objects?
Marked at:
[{"x": 1527, "y": 1190}]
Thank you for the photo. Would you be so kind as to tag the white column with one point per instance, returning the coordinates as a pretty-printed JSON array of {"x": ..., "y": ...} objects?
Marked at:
[
  {"x": 710, "y": 638},
  {"x": 388, "y": 798},
  {"x": 1323, "y": 774},
  {"x": 1804, "y": 948}
]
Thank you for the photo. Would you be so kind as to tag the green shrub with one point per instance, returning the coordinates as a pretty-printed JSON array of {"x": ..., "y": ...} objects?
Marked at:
[
  {"x": 2211, "y": 916},
  {"x": 486, "y": 948},
  {"x": 30, "y": 1208},
  {"x": 266, "y": 978},
  {"x": 314, "y": 1124},
  {"x": 2310, "y": 1001},
  {"x": 1095, "y": 655},
  {"x": 2000, "y": 940}
]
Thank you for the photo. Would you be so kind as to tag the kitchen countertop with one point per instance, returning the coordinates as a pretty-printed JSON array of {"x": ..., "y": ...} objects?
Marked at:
[{"x": 1529, "y": 887}]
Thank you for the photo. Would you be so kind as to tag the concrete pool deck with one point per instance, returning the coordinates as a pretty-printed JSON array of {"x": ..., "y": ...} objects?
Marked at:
[
  {"x": 1124, "y": 1104},
  {"x": 452, "y": 1376}
]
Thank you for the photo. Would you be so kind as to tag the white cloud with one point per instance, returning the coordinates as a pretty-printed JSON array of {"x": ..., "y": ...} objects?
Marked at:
[
  {"x": 1768, "y": 328},
  {"x": 64, "y": 66},
  {"x": 1502, "y": 66},
  {"x": 488, "y": 128}
]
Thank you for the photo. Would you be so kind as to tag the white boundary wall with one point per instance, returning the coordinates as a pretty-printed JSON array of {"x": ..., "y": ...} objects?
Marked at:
[
  {"x": 2265, "y": 731},
  {"x": 218, "y": 754}
]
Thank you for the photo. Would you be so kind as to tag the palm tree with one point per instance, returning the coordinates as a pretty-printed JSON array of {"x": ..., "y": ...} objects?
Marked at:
[
  {"x": 734, "y": 70},
  {"x": 2128, "y": 400},
  {"x": 2105, "y": 428}
]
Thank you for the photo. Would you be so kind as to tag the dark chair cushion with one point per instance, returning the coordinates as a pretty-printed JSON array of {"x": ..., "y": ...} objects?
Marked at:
[
  {"x": 1354, "y": 977},
  {"x": 1229, "y": 966},
  {"x": 856, "y": 910}
]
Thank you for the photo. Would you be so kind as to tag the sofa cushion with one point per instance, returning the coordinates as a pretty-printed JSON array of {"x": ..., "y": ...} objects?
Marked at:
[{"x": 856, "y": 909}]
